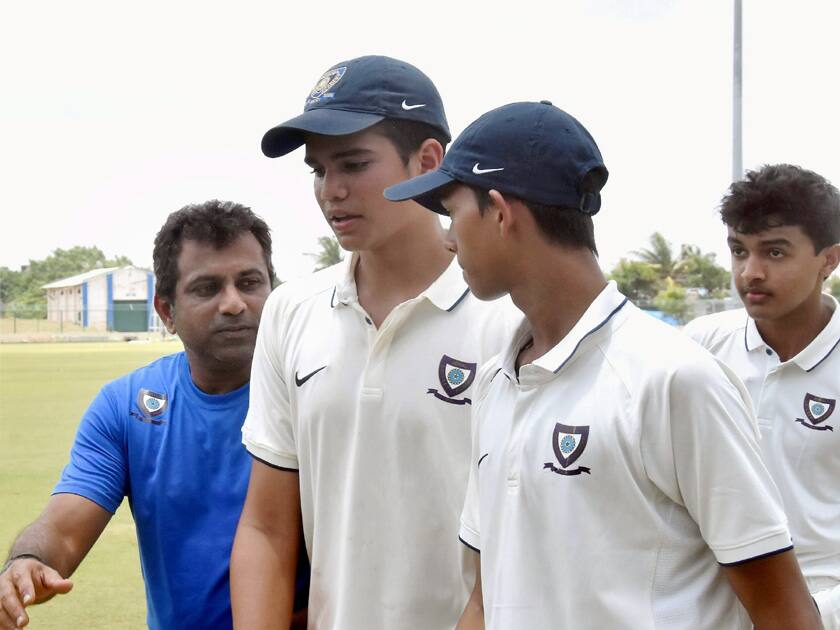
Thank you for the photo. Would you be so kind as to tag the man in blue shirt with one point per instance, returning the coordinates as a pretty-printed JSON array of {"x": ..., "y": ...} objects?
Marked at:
[{"x": 167, "y": 436}]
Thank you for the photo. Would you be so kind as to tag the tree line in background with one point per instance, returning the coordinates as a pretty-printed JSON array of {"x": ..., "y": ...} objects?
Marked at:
[
  {"x": 23, "y": 288},
  {"x": 655, "y": 278},
  {"x": 658, "y": 278}
]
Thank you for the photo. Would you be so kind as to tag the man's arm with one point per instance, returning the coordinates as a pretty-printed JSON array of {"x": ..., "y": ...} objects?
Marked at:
[
  {"x": 774, "y": 593},
  {"x": 265, "y": 550},
  {"x": 46, "y": 553},
  {"x": 473, "y": 616}
]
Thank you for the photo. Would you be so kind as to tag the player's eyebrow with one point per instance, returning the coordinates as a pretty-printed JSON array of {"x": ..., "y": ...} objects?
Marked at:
[
  {"x": 356, "y": 152},
  {"x": 351, "y": 153},
  {"x": 207, "y": 277},
  {"x": 770, "y": 242}
]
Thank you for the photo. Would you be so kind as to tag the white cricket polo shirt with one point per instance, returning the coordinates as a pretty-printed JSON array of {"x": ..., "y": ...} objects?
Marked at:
[
  {"x": 378, "y": 424},
  {"x": 796, "y": 405},
  {"x": 612, "y": 477}
]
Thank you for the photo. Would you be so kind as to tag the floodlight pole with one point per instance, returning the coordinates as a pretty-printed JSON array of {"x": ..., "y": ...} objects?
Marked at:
[{"x": 737, "y": 155}]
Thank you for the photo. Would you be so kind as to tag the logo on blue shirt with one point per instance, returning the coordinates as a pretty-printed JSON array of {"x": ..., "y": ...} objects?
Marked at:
[{"x": 151, "y": 405}]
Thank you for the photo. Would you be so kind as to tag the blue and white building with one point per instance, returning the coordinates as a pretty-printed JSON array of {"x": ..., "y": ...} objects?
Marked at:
[{"x": 116, "y": 299}]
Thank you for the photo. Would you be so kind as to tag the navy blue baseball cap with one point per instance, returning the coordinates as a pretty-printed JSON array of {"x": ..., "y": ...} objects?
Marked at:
[
  {"x": 356, "y": 94},
  {"x": 533, "y": 151}
]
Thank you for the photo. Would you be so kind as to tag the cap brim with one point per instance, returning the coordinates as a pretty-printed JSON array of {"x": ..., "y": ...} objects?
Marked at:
[
  {"x": 288, "y": 136},
  {"x": 424, "y": 189}
]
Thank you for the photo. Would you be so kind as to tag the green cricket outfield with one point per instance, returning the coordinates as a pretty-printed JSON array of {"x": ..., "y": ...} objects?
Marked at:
[{"x": 44, "y": 389}]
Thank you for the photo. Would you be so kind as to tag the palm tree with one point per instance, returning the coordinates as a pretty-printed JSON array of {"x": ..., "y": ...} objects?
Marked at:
[
  {"x": 698, "y": 270},
  {"x": 660, "y": 255},
  {"x": 330, "y": 253}
]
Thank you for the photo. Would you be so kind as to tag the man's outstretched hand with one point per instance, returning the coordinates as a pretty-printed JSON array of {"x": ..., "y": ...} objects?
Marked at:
[{"x": 27, "y": 581}]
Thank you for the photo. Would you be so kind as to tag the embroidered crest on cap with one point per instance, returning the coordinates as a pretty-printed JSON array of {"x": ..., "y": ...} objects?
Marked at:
[
  {"x": 455, "y": 377},
  {"x": 569, "y": 443},
  {"x": 327, "y": 81},
  {"x": 817, "y": 411}
]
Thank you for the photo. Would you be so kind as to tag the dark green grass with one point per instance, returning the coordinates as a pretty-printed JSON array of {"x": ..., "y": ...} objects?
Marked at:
[{"x": 44, "y": 389}]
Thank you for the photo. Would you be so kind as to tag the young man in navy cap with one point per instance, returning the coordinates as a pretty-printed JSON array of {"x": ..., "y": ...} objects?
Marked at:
[
  {"x": 616, "y": 480},
  {"x": 784, "y": 235},
  {"x": 362, "y": 379}
]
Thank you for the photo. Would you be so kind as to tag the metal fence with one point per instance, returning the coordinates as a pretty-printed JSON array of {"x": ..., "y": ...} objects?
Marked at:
[{"x": 29, "y": 319}]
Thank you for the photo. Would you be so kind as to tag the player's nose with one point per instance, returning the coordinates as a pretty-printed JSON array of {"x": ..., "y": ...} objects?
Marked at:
[
  {"x": 231, "y": 302},
  {"x": 331, "y": 186},
  {"x": 752, "y": 269}
]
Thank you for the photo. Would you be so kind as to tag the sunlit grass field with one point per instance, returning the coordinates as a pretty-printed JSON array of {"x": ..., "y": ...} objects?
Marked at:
[{"x": 44, "y": 389}]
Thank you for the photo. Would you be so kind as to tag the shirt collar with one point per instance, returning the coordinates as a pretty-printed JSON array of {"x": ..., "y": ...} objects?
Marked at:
[
  {"x": 603, "y": 308},
  {"x": 449, "y": 289},
  {"x": 345, "y": 292},
  {"x": 815, "y": 352},
  {"x": 446, "y": 292},
  {"x": 752, "y": 338},
  {"x": 824, "y": 343}
]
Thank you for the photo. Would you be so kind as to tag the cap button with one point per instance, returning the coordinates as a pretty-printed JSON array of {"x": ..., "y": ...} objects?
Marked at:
[{"x": 546, "y": 103}]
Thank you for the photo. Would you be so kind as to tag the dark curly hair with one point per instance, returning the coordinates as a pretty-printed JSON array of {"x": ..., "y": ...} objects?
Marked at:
[
  {"x": 215, "y": 222},
  {"x": 783, "y": 194}
]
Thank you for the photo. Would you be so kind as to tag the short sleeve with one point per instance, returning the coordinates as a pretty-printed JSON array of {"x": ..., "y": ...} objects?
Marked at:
[
  {"x": 700, "y": 447},
  {"x": 268, "y": 432},
  {"x": 98, "y": 469},
  {"x": 470, "y": 529}
]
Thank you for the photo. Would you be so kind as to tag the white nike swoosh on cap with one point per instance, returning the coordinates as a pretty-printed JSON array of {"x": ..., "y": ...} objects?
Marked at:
[
  {"x": 406, "y": 106},
  {"x": 482, "y": 171}
]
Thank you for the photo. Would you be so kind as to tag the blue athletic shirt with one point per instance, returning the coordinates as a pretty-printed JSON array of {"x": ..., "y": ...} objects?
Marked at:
[{"x": 176, "y": 453}]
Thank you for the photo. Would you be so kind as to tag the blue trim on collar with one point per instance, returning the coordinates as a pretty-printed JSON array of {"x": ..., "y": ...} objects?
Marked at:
[
  {"x": 837, "y": 343},
  {"x": 459, "y": 300},
  {"x": 601, "y": 325}
]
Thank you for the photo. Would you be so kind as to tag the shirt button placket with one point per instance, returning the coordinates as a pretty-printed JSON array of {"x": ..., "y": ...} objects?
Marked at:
[
  {"x": 516, "y": 443},
  {"x": 372, "y": 385}
]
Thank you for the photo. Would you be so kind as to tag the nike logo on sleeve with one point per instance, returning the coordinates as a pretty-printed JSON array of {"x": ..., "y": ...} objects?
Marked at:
[{"x": 301, "y": 381}]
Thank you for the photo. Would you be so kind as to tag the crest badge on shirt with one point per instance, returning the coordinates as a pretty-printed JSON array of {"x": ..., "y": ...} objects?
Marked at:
[
  {"x": 151, "y": 405},
  {"x": 455, "y": 378},
  {"x": 817, "y": 411},
  {"x": 569, "y": 443}
]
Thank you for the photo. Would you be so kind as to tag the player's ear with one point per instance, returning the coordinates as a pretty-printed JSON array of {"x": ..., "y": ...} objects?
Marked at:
[
  {"x": 500, "y": 210},
  {"x": 166, "y": 310},
  {"x": 427, "y": 158},
  {"x": 832, "y": 259}
]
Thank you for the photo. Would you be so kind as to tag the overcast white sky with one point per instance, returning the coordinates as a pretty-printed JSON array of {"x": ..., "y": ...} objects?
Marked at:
[{"x": 113, "y": 114}]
